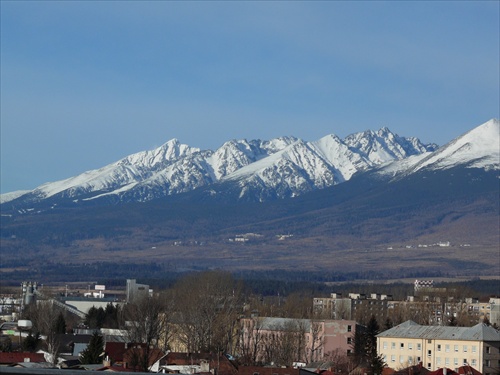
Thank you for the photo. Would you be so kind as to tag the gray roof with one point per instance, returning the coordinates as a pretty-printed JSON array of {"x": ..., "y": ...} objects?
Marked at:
[
  {"x": 79, "y": 348},
  {"x": 410, "y": 329},
  {"x": 284, "y": 324}
]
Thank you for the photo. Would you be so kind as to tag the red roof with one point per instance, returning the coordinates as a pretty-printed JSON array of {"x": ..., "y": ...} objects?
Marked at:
[
  {"x": 16, "y": 357},
  {"x": 441, "y": 371},
  {"x": 115, "y": 350},
  {"x": 468, "y": 370}
]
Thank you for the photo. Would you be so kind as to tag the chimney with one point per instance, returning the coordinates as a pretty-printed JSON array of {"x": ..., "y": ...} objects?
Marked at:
[{"x": 444, "y": 370}]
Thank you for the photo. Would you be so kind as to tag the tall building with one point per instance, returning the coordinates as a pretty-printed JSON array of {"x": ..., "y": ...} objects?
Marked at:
[
  {"x": 441, "y": 346},
  {"x": 136, "y": 291},
  {"x": 354, "y": 306}
]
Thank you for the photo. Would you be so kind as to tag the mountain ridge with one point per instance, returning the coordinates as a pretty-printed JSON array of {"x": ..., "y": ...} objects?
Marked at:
[
  {"x": 282, "y": 167},
  {"x": 390, "y": 219}
]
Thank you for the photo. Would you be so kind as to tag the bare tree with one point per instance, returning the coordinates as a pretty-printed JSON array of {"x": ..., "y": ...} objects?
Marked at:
[
  {"x": 342, "y": 363},
  {"x": 284, "y": 343},
  {"x": 208, "y": 306},
  {"x": 147, "y": 324},
  {"x": 317, "y": 340},
  {"x": 44, "y": 316},
  {"x": 250, "y": 342}
]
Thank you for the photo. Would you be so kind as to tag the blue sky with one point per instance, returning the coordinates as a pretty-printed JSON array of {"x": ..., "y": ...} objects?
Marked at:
[{"x": 85, "y": 83}]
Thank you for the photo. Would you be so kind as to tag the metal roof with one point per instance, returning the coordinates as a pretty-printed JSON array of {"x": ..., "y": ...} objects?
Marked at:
[
  {"x": 410, "y": 329},
  {"x": 284, "y": 324}
]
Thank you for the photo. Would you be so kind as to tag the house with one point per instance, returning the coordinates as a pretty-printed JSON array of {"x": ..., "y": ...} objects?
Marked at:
[{"x": 441, "y": 346}]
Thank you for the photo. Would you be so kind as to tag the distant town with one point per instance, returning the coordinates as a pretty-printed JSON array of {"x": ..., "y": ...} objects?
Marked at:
[{"x": 208, "y": 322}]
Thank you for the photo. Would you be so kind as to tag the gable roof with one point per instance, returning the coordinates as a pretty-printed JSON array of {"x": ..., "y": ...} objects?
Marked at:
[
  {"x": 410, "y": 329},
  {"x": 17, "y": 357}
]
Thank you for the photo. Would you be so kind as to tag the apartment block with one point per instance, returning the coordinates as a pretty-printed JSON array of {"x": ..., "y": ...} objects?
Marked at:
[{"x": 441, "y": 346}]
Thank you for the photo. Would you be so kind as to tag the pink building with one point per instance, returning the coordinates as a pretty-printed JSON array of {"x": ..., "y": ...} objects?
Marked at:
[{"x": 283, "y": 341}]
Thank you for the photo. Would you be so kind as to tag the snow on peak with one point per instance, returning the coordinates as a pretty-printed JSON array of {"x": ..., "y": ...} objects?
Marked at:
[
  {"x": 169, "y": 151},
  {"x": 7, "y": 197},
  {"x": 281, "y": 167},
  {"x": 478, "y": 148}
]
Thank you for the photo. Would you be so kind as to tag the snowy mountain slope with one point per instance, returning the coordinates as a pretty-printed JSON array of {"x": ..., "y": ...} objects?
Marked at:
[
  {"x": 279, "y": 168},
  {"x": 478, "y": 148}
]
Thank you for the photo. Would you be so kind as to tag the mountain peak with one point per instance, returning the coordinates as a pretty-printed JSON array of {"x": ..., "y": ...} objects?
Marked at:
[{"x": 279, "y": 168}]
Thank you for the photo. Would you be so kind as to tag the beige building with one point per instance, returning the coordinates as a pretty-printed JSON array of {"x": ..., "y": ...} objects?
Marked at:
[{"x": 441, "y": 346}]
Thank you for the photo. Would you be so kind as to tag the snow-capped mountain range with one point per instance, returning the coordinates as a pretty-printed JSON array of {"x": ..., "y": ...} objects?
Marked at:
[{"x": 259, "y": 170}]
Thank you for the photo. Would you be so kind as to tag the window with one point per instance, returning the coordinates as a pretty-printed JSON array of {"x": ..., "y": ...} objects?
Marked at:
[
  {"x": 487, "y": 363},
  {"x": 401, "y": 359},
  {"x": 455, "y": 361},
  {"x": 428, "y": 365},
  {"x": 465, "y": 348},
  {"x": 473, "y": 362},
  {"x": 487, "y": 349},
  {"x": 447, "y": 348},
  {"x": 419, "y": 346},
  {"x": 447, "y": 361},
  {"x": 410, "y": 359},
  {"x": 349, "y": 340},
  {"x": 402, "y": 346},
  {"x": 393, "y": 358},
  {"x": 429, "y": 341},
  {"x": 385, "y": 344},
  {"x": 410, "y": 346},
  {"x": 465, "y": 362},
  {"x": 438, "y": 361},
  {"x": 439, "y": 347},
  {"x": 429, "y": 353},
  {"x": 349, "y": 351},
  {"x": 456, "y": 348},
  {"x": 474, "y": 348},
  {"x": 349, "y": 328},
  {"x": 393, "y": 345}
]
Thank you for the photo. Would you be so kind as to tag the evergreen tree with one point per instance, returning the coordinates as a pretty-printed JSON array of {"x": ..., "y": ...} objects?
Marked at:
[
  {"x": 60, "y": 324},
  {"x": 388, "y": 324},
  {"x": 94, "y": 351},
  {"x": 377, "y": 365},
  {"x": 358, "y": 346},
  {"x": 31, "y": 343},
  {"x": 372, "y": 330},
  {"x": 5, "y": 344},
  {"x": 374, "y": 360}
]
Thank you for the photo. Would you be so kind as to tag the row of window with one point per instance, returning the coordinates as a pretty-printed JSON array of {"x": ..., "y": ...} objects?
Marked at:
[
  {"x": 410, "y": 360},
  {"x": 447, "y": 347}
]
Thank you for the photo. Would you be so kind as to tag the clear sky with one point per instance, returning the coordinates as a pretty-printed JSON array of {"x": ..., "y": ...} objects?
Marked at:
[{"x": 85, "y": 83}]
